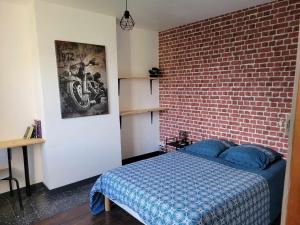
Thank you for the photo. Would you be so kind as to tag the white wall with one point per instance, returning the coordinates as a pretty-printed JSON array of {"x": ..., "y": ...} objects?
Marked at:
[
  {"x": 81, "y": 147},
  {"x": 75, "y": 149},
  {"x": 137, "y": 53},
  {"x": 18, "y": 102}
]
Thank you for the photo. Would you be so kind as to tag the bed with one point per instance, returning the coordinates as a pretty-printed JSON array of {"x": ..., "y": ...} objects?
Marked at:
[{"x": 179, "y": 188}]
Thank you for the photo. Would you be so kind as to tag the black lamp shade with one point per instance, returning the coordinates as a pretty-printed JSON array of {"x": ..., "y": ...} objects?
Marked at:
[{"x": 127, "y": 23}]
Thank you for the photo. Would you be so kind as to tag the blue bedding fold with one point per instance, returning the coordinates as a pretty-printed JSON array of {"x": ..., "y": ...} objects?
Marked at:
[
  {"x": 96, "y": 198},
  {"x": 218, "y": 190}
]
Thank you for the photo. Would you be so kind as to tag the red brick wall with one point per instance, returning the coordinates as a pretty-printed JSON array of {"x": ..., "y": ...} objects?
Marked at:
[{"x": 231, "y": 76}]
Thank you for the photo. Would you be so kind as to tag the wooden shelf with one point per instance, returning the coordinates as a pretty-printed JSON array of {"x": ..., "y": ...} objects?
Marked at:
[
  {"x": 20, "y": 142},
  {"x": 140, "y": 111},
  {"x": 138, "y": 78}
]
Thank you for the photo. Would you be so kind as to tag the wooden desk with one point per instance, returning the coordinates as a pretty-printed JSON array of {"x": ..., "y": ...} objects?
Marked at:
[{"x": 9, "y": 144}]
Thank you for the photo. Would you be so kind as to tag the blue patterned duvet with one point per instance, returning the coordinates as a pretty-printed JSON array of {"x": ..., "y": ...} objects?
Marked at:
[{"x": 182, "y": 189}]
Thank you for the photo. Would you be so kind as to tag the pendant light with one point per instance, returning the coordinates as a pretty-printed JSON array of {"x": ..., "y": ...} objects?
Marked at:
[{"x": 127, "y": 23}]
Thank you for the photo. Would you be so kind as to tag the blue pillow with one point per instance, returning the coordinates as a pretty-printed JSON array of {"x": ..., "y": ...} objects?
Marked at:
[
  {"x": 209, "y": 147},
  {"x": 251, "y": 156}
]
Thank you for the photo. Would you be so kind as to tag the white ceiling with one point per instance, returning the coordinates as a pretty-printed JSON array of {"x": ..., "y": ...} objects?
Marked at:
[{"x": 162, "y": 14}]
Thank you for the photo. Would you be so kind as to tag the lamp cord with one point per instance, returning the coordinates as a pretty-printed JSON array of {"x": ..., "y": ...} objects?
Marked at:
[{"x": 126, "y": 4}]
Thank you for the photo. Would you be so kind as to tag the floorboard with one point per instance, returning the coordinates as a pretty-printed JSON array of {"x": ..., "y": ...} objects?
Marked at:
[
  {"x": 42, "y": 204},
  {"x": 82, "y": 216}
]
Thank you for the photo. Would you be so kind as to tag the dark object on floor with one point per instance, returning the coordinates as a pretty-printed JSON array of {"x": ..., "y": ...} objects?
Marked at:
[
  {"x": 8, "y": 177},
  {"x": 154, "y": 72}
]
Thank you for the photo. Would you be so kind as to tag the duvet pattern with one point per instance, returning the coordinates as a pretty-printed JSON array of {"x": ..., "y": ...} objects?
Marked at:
[{"x": 182, "y": 189}]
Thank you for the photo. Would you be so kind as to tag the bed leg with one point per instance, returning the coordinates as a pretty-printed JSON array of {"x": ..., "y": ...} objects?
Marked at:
[{"x": 107, "y": 204}]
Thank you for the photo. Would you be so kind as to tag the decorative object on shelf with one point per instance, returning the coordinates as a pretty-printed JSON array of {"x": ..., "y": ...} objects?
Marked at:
[
  {"x": 183, "y": 136},
  {"x": 178, "y": 142},
  {"x": 127, "y": 23},
  {"x": 38, "y": 128},
  {"x": 34, "y": 131},
  {"x": 154, "y": 72},
  {"x": 28, "y": 132},
  {"x": 82, "y": 79}
]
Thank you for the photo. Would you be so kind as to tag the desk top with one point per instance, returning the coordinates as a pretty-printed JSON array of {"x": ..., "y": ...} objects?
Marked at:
[{"x": 20, "y": 142}]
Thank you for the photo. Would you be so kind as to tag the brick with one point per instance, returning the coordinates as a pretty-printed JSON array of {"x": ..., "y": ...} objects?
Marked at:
[{"x": 231, "y": 76}]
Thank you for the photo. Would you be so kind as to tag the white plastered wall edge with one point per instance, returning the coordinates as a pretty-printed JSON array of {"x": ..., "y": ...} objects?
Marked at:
[
  {"x": 291, "y": 133},
  {"x": 38, "y": 82}
]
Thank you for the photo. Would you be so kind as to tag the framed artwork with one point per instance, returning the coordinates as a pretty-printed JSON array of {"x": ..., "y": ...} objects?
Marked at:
[{"x": 82, "y": 79}]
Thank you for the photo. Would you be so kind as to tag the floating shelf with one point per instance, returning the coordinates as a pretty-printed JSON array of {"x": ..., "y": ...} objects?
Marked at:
[
  {"x": 20, "y": 142},
  {"x": 140, "y": 111},
  {"x": 137, "y": 78}
]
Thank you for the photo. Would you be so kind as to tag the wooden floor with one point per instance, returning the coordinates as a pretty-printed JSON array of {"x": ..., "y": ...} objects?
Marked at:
[{"x": 82, "y": 216}]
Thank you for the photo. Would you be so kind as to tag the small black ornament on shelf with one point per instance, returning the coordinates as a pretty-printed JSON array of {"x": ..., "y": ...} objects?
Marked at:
[{"x": 154, "y": 72}]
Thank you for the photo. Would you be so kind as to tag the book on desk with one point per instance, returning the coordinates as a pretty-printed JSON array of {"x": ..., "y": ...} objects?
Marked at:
[{"x": 34, "y": 131}]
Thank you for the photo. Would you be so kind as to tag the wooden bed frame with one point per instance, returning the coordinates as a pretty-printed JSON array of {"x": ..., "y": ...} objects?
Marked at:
[
  {"x": 107, "y": 204},
  {"x": 107, "y": 207}
]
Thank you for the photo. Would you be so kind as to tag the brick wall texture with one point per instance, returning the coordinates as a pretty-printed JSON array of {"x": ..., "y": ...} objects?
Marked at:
[{"x": 231, "y": 76}]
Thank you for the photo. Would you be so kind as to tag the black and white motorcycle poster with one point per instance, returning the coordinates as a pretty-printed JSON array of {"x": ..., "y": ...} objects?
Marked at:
[{"x": 82, "y": 79}]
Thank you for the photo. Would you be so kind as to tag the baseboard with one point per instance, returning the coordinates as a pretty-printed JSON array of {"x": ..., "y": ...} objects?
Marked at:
[
  {"x": 90, "y": 180},
  {"x": 140, "y": 157}
]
